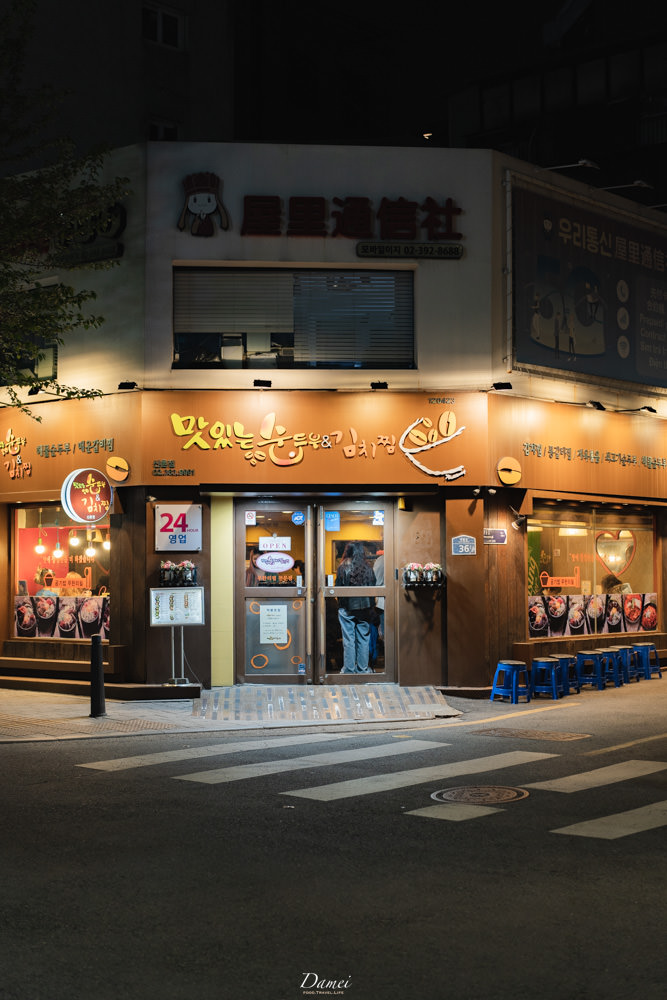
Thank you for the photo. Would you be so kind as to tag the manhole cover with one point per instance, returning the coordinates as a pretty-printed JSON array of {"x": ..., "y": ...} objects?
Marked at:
[
  {"x": 480, "y": 794},
  {"x": 534, "y": 734}
]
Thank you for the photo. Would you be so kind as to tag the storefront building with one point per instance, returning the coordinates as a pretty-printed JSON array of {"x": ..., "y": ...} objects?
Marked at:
[{"x": 314, "y": 347}]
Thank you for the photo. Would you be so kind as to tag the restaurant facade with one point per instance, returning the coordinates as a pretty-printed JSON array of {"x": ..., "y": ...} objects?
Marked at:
[{"x": 306, "y": 347}]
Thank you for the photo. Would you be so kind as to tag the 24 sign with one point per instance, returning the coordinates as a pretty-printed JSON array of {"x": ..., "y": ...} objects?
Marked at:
[{"x": 178, "y": 527}]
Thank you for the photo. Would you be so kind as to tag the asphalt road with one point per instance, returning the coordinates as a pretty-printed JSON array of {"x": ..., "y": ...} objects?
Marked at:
[{"x": 255, "y": 866}]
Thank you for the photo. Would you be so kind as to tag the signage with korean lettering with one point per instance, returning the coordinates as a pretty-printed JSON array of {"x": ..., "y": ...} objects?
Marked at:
[
  {"x": 591, "y": 290},
  {"x": 86, "y": 496},
  {"x": 464, "y": 545},
  {"x": 178, "y": 527}
]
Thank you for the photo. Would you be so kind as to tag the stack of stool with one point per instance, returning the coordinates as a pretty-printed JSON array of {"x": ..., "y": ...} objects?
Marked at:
[
  {"x": 568, "y": 672},
  {"x": 546, "y": 677},
  {"x": 592, "y": 668},
  {"x": 511, "y": 680},
  {"x": 649, "y": 661}
]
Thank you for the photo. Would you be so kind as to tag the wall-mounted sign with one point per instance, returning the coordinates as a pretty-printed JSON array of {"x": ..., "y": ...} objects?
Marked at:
[
  {"x": 180, "y": 606},
  {"x": 86, "y": 496},
  {"x": 251, "y": 517},
  {"x": 464, "y": 545},
  {"x": 178, "y": 527},
  {"x": 495, "y": 536},
  {"x": 425, "y": 251}
]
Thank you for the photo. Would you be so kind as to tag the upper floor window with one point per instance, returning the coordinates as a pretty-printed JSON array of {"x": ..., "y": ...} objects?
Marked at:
[
  {"x": 162, "y": 26},
  {"x": 301, "y": 318}
]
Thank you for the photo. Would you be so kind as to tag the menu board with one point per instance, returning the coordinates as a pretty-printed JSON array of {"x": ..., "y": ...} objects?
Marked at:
[{"x": 177, "y": 606}]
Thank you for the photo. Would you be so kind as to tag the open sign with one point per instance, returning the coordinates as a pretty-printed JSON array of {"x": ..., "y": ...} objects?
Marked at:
[{"x": 274, "y": 562}]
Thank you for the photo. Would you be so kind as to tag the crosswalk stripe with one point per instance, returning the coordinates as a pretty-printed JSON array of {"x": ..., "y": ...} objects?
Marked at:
[
  {"x": 243, "y": 771},
  {"x": 454, "y": 811},
  {"x": 620, "y": 824},
  {"x": 213, "y": 750},
  {"x": 600, "y": 776},
  {"x": 401, "y": 779}
]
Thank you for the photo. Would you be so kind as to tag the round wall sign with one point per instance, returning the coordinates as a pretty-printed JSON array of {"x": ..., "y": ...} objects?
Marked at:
[
  {"x": 86, "y": 496},
  {"x": 274, "y": 562}
]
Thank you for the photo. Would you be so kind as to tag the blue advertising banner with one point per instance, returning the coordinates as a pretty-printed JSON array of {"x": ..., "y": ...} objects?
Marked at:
[{"x": 590, "y": 291}]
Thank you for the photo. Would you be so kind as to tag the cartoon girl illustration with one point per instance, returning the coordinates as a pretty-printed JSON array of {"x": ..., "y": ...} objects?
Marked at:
[{"x": 202, "y": 201}]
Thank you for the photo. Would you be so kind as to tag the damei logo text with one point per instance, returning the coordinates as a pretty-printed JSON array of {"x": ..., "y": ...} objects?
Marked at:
[{"x": 312, "y": 985}]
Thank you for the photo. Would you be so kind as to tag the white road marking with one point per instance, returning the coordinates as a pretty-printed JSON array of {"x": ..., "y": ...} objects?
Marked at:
[
  {"x": 453, "y": 811},
  {"x": 214, "y": 750},
  {"x": 620, "y": 824},
  {"x": 243, "y": 771},
  {"x": 600, "y": 776},
  {"x": 402, "y": 779}
]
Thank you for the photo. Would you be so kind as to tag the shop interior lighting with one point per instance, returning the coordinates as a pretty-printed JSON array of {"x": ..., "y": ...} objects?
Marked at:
[
  {"x": 262, "y": 383},
  {"x": 379, "y": 385},
  {"x": 90, "y": 548},
  {"x": 74, "y": 539},
  {"x": 40, "y": 548},
  {"x": 58, "y": 552},
  {"x": 106, "y": 544},
  {"x": 596, "y": 404}
]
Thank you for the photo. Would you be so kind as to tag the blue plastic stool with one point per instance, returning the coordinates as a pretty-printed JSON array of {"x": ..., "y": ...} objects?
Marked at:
[
  {"x": 546, "y": 677},
  {"x": 507, "y": 681},
  {"x": 568, "y": 672},
  {"x": 592, "y": 668},
  {"x": 614, "y": 669},
  {"x": 644, "y": 651}
]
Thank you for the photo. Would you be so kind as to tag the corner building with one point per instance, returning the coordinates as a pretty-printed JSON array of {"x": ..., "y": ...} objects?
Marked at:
[{"x": 306, "y": 346}]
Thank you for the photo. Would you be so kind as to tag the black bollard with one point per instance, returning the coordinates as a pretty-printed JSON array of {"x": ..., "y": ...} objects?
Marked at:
[{"x": 97, "y": 706}]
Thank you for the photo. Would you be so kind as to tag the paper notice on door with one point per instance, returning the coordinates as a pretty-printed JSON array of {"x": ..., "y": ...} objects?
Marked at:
[{"x": 273, "y": 624}]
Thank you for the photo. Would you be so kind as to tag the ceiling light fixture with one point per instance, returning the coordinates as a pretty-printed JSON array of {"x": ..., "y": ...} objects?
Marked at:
[
  {"x": 127, "y": 385},
  {"x": 596, "y": 405},
  {"x": 262, "y": 383},
  {"x": 379, "y": 385}
]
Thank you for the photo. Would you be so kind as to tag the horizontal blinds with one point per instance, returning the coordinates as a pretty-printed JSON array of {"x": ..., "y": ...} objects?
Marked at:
[
  {"x": 216, "y": 300},
  {"x": 342, "y": 318}
]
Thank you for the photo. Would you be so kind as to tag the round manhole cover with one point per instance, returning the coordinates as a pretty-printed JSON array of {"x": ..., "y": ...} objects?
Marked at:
[{"x": 480, "y": 794}]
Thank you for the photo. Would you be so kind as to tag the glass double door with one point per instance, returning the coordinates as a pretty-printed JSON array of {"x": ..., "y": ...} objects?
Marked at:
[{"x": 314, "y": 592}]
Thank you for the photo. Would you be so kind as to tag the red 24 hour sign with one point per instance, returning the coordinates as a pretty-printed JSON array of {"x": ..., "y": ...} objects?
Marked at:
[{"x": 178, "y": 527}]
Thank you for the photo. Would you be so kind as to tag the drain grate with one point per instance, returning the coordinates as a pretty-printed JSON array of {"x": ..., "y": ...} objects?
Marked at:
[
  {"x": 480, "y": 794},
  {"x": 535, "y": 734}
]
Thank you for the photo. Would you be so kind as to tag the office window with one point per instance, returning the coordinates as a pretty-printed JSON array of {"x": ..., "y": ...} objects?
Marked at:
[
  {"x": 280, "y": 318},
  {"x": 162, "y": 26}
]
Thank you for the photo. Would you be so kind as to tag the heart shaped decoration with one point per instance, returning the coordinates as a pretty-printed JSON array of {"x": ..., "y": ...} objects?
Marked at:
[{"x": 616, "y": 549}]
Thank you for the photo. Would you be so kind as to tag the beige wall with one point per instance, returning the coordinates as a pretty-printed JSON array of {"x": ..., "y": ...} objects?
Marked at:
[{"x": 222, "y": 591}]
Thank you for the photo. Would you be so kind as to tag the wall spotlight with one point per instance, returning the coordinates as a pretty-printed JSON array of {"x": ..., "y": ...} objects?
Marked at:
[
  {"x": 519, "y": 522},
  {"x": 262, "y": 383},
  {"x": 476, "y": 492},
  {"x": 490, "y": 490},
  {"x": 127, "y": 385},
  {"x": 379, "y": 385},
  {"x": 596, "y": 405},
  {"x": 502, "y": 385}
]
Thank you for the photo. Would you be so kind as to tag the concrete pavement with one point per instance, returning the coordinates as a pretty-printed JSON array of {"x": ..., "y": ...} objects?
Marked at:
[{"x": 35, "y": 716}]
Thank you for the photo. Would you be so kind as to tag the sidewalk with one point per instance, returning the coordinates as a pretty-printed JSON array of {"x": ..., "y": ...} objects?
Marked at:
[{"x": 27, "y": 716}]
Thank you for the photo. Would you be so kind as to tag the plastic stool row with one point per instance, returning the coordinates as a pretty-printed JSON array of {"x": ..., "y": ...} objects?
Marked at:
[{"x": 557, "y": 676}]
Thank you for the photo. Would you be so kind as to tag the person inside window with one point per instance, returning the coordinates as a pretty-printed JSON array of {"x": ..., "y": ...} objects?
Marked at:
[
  {"x": 612, "y": 585},
  {"x": 354, "y": 613}
]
